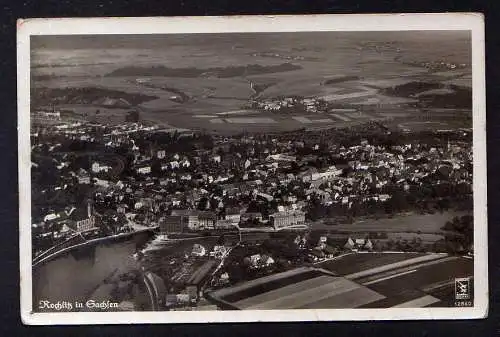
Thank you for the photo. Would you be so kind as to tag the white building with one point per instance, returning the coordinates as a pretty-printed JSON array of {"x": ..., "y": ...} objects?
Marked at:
[
  {"x": 198, "y": 250},
  {"x": 144, "y": 170}
]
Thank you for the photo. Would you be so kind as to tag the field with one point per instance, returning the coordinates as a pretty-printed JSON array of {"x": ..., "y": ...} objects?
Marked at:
[
  {"x": 274, "y": 282},
  {"x": 422, "y": 282},
  {"x": 384, "y": 280},
  {"x": 356, "y": 262},
  {"x": 213, "y": 75},
  {"x": 297, "y": 289}
]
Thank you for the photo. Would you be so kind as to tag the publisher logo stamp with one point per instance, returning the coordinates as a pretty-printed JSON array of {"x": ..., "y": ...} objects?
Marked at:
[{"x": 462, "y": 288}]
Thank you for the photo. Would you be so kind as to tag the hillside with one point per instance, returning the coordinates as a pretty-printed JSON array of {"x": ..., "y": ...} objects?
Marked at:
[
  {"x": 221, "y": 72},
  {"x": 433, "y": 94},
  {"x": 87, "y": 95}
]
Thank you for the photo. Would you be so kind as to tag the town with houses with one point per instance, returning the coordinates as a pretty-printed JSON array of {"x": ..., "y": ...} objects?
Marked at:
[{"x": 259, "y": 203}]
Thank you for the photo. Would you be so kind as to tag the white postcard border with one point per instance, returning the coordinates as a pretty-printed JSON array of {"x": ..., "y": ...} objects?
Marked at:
[{"x": 172, "y": 25}]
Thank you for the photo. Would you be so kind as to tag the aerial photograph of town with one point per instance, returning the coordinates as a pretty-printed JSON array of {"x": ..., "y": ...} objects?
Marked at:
[{"x": 244, "y": 171}]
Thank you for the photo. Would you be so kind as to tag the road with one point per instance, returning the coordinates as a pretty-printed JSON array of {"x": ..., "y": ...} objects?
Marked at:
[{"x": 153, "y": 291}]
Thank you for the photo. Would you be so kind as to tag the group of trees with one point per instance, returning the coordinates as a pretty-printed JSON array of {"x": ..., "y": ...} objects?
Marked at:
[
  {"x": 457, "y": 97},
  {"x": 261, "y": 206},
  {"x": 110, "y": 222},
  {"x": 124, "y": 287},
  {"x": 427, "y": 197},
  {"x": 132, "y": 116},
  {"x": 414, "y": 245},
  {"x": 84, "y": 95},
  {"x": 459, "y": 236},
  {"x": 283, "y": 250}
]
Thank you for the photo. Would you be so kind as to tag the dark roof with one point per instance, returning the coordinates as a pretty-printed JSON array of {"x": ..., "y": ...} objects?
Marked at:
[
  {"x": 79, "y": 214},
  {"x": 252, "y": 214},
  {"x": 207, "y": 215},
  {"x": 182, "y": 212},
  {"x": 172, "y": 219},
  {"x": 232, "y": 210},
  {"x": 329, "y": 250}
]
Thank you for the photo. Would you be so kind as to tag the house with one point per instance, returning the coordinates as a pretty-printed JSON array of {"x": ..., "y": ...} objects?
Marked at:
[
  {"x": 144, "y": 169},
  {"x": 233, "y": 215},
  {"x": 265, "y": 196},
  {"x": 316, "y": 254},
  {"x": 300, "y": 241},
  {"x": 224, "y": 224},
  {"x": 282, "y": 157},
  {"x": 216, "y": 159},
  {"x": 218, "y": 251},
  {"x": 121, "y": 208},
  {"x": 287, "y": 219},
  {"x": 186, "y": 177},
  {"x": 198, "y": 250},
  {"x": 81, "y": 220},
  {"x": 384, "y": 197},
  {"x": 196, "y": 220},
  {"x": 254, "y": 260},
  {"x": 329, "y": 251},
  {"x": 97, "y": 168},
  {"x": 358, "y": 244},
  {"x": 189, "y": 218},
  {"x": 257, "y": 261},
  {"x": 322, "y": 242},
  {"x": 172, "y": 300},
  {"x": 224, "y": 278},
  {"x": 83, "y": 177},
  {"x": 171, "y": 224},
  {"x": 207, "y": 220},
  {"x": 229, "y": 190},
  {"x": 160, "y": 154},
  {"x": 251, "y": 216},
  {"x": 266, "y": 261}
]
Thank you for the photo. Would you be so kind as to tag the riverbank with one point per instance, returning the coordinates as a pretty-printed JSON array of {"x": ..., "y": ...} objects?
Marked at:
[
  {"x": 103, "y": 269},
  {"x": 400, "y": 223},
  {"x": 89, "y": 243}
]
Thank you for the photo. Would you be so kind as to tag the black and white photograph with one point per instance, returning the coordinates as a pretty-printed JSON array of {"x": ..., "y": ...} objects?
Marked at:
[{"x": 285, "y": 168}]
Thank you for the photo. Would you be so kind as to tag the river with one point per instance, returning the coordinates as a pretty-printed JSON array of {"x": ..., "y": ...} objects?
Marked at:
[
  {"x": 85, "y": 272},
  {"x": 77, "y": 275}
]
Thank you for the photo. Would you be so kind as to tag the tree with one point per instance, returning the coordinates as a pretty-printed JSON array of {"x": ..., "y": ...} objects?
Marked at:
[
  {"x": 397, "y": 202},
  {"x": 461, "y": 233},
  {"x": 202, "y": 203},
  {"x": 132, "y": 116}
]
